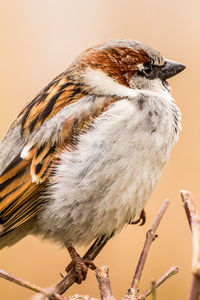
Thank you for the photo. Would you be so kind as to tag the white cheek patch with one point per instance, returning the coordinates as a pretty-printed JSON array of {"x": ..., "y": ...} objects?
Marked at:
[{"x": 103, "y": 85}]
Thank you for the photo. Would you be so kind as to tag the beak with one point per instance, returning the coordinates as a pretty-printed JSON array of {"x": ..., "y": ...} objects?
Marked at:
[{"x": 170, "y": 69}]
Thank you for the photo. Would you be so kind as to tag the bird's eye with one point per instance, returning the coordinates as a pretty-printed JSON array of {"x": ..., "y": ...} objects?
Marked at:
[{"x": 147, "y": 70}]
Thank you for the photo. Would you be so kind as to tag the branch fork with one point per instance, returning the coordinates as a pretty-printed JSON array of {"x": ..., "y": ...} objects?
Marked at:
[
  {"x": 55, "y": 292},
  {"x": 194, "y": 223}
]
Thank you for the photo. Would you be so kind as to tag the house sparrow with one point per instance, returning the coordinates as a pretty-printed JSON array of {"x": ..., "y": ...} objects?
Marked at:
[{"x": 83, "y": 157}]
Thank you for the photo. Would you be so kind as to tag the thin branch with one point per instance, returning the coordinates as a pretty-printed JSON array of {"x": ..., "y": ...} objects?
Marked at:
[
  {"x": 194, "y": 222},
  {"x": 153, "y": 290},
  {"x": 104, "y": 283},
  {"x": 70, "y": 278},
  {"x": 172, "y": 271},
  {"x": 81, "y": 297},
  {"x": 28, "y": 285},
  {"x": 196, "y": 245},
  {"x": 189, "y": 206},
  {"x": 194, "y": 289},
  {"x": 55, "y": 292},
  {"x": 150, "y": 237},
  {"x": 21, "y": 282}
]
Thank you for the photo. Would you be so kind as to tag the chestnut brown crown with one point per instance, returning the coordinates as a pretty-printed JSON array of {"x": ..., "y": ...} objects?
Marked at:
[{"x": 125, "y": 58}]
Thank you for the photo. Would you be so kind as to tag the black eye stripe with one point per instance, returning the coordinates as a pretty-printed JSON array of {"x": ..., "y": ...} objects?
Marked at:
[{"x": 149, "y": 71}]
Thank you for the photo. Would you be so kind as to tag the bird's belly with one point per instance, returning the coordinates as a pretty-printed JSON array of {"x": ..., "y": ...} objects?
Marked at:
[{"x": 105, "y": 182}]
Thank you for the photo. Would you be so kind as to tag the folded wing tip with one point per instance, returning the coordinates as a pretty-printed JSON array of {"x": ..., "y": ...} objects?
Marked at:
[
  {"x": 25, "y": 152},
  {"x": 35, "y": 178}
]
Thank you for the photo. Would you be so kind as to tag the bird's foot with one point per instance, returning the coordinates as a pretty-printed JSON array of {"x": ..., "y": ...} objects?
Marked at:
[
  {"x": 80, "y": 265},
  {"x": 141, "y": 219}
]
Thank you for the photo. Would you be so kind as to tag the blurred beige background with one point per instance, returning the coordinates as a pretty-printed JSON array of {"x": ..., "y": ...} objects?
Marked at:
[{"x": 38, "y": 41}]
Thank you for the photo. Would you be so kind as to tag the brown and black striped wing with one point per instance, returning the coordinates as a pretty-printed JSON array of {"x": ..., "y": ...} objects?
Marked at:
[
  {"x": 58, "y": 94},
  {"x": 23, "y": 179},
  {"x": 19, "y": 193}
]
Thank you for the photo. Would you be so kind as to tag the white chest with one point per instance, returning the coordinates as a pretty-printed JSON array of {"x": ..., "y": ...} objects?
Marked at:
[{"x": 111, "y": 175}]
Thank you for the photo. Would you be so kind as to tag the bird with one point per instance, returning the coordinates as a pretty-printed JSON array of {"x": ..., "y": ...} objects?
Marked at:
[{"x": 81, "y": 159}]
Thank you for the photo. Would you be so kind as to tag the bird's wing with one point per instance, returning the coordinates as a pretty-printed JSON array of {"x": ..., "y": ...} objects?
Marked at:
[{"x": 32, "y": 144}]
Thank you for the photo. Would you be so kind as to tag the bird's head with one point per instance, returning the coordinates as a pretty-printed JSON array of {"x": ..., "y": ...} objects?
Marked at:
[{"x": 121, "y": 66}]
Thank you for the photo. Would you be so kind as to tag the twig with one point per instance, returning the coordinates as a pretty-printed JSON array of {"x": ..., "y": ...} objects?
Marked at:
[
  {"x": 172, "y": 271},
  {"x": 70, "y": 278},
  {"x": 21, "y": 282},
  {"x": 150, "y": 237},
  {"x": 55, "y": 292},
  {"x": 81, "y": 297},
  {"x": 28, "y": 285},
  {"x": 189, "y": 206},
  {"x": 153, "y": 290},
  {"x": 104, "y": 283},
  {"x": 194, "y": 289},
  {"x": 194, "y": 222}
]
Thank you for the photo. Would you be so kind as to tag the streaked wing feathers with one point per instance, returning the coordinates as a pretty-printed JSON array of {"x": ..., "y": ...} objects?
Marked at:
[
  {"x": 24, "y": 178},
  {"x": 59, "y": 93}
]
